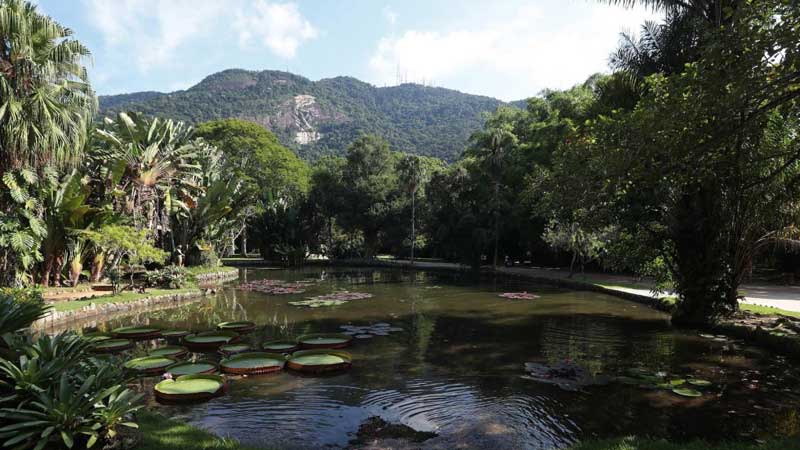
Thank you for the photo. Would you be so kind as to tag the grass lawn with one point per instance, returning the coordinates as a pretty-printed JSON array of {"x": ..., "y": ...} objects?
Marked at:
[
  {"x": 202, "y": 270},
  {"x": 642, "y": 444},
  {"x": 767, "y": 310},
  {"x": 123, "y": 297},
  {"x": 159, "y": 433}
]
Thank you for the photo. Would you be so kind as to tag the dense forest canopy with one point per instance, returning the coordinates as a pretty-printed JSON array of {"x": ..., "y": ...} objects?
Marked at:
[{"x": 331, "y": 113}]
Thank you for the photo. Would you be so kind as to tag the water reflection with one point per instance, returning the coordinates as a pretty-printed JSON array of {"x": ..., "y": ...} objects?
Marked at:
[{"x": 455, "y": 369}]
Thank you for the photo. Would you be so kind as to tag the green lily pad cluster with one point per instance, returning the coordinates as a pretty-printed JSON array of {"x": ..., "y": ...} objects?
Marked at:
[
  {"x": 684, "y": 387},
  {"x": 276, "y": 287},
  {"x": 369, "y": 331},
  {"x": 334, "y": 299}
]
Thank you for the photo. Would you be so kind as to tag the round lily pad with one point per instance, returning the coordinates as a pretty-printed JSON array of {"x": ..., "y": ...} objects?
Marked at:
[
  {"x": 202, "y": 366},
  {"x": 174, "y": 335},
  {"x": 96, "y": 336},
  {"x": 253, "y": 363},
  {"x": 150, "y": 365},
  {"x": 209, "y": 341},
  {"x": 319, "y": 360},
  {"x": 112, "y": 345},
  {"x": 323, "y": 340},
  {"x": 173, "y": 351},
  {"x": 190, "y": 388},
  {"x": 686, "y": 392},
  {"x": 699, "y": 383},
  {"x": 280, "y": 346},
  {"x": 138, "y": 333},
  {"x": 232, "y": 349},
  {"x": 239, "y": 327}
]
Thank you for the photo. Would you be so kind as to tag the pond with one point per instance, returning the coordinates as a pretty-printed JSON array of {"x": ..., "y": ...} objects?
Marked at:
[{"x": 453, "y": 362}]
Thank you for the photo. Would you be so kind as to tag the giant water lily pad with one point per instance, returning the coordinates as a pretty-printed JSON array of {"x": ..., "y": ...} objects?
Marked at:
[
  {"x": 317, "y": 303},
  {"x": 202, "y": 366},
  {"x": 112, "y": 345},
  {"x": 190, "y": 388},
  {"x": 239, "y": 327},
  {"x": 173, "y": 351},
  {"x": 699, "y": 383},
  {"x": 232, "y": 349},
  {"x": 150, "y": 364},
  {"x": 686, "y": 392},
  {"x": 319, "y": 360},
  {"x": 209, "y": 340},
  {"x": 324, "y": 340},
  {"x": 253, "y": 363},
  {"x": 136, "y": 332},
  {"x": 518, "y": 295},
  {"x": 280, "y": 346},
  {"x": 174, "y": 335}
]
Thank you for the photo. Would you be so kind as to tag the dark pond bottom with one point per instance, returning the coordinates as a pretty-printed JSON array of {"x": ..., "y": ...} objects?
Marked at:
[{"x": 453, "y": 364}]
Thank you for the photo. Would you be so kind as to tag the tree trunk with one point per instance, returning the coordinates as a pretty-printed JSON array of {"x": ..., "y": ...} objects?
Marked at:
[
  {"x": 47, "y": 268},
  {"x": 244, "y": 241},
  {"x": 413, "y": 228},
  {"x": 572, "y": 264}
]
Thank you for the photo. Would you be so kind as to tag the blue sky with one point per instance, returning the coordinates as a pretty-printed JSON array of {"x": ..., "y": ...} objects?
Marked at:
[{"x": 506, "y": 49}]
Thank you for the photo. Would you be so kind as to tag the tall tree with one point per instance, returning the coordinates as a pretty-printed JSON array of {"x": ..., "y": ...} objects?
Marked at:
[{"x": 46, "y": 101}]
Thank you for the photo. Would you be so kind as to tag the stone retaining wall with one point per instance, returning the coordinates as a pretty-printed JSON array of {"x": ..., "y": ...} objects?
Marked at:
[{"x": 60, "y": 319}]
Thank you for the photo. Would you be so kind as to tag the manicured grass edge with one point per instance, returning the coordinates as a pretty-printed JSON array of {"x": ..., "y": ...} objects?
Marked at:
[
  {"x": 157, "y": 432},
  {"x": 123, "y": 297}
]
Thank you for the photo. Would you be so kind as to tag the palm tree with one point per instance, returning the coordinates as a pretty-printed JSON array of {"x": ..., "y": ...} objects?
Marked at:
[
  {"x": 660, "y": 48},
  {"x": 715, "y": 12},
  {"x": 411, "y": 176},
  {"x": 150, "y": 165},
  {"x": 45, "y": 97},
  {"x": 491, "y": 148}
]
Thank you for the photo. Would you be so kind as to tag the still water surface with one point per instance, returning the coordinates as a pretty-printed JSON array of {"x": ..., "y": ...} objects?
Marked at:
[{"x": 456, "y": 366}]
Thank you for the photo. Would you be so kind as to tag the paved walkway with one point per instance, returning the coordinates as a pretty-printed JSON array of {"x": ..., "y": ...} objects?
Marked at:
[{"x": 775, "y": 296}]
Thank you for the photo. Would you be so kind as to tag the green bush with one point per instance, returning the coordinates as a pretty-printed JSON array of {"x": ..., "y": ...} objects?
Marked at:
[
  {"x": 19, "y": 308},
  {"x": 170, "y": 277},
  {"x": 58, "y": 395}
]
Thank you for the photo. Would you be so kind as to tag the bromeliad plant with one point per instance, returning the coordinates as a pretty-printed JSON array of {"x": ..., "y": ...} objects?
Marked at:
[
  {"x": 58, "y": 395},
  {"x": 66, "y": 416}
]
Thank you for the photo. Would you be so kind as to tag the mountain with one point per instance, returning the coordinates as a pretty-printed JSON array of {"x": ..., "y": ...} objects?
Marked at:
[{"x": 322, "y": 117}]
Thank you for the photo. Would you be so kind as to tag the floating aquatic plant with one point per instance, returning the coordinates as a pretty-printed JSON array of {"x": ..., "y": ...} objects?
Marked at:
[
  {"x": 202, "y": 366},
  {"x": 334, "y": 299},
  {"x": 252, "y": 363},
  {"x": 275, "y": 287},
  {"x": 324, "y": 340},
  {"x": 139, "y": 333},
  {"x": 321, "y": 360},
  {"x": 243, "y": 326},
  {"x": 317, "y": 303},
  {"x": 190, "y": 388},
  {"x": 368, "y": 331},
  {"x": 518, "y": 295}
]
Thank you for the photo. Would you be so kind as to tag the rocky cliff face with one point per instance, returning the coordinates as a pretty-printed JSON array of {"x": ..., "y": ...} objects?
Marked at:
[{"x": 323, "y": 117}]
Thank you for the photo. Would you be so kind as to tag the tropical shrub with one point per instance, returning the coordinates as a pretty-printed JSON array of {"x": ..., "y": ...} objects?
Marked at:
[
  {"x": 20, "y": 307},
  {"x": 170, "y": 277},
  {"x": 58, "y": 395}
]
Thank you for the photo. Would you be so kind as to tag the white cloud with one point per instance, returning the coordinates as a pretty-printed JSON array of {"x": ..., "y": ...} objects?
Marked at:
[
  {"x": 279, "y": 26},
  {"x": 154, "y": 31},
  {"x": 529, "y": 49},
  {"x": 390, "y": 15}
]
